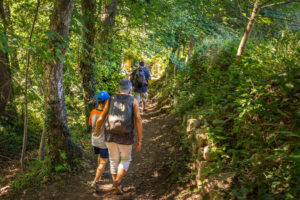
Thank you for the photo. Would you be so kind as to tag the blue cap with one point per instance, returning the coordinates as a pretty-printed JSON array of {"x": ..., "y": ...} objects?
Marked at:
[{"x": 102, "y": 96}]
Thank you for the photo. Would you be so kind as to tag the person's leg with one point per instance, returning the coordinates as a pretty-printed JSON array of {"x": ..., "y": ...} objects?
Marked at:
[
  {"x": 114, "y": 158},
  {"x": 100, "y": 169},
  {"x": 125, "y": 151},
  {"x": 99, "y": 159},
  {"x": 144, "y": 100},
  {"x": 102, "y": 160},
  {"x": 138, "y": 97}
]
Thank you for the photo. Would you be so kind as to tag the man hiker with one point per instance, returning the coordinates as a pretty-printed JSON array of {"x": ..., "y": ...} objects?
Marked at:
[
  {"x": 140, "y": 78},
  {"x": 98, "y": 142},
  {"x": 122, "y": 114}
]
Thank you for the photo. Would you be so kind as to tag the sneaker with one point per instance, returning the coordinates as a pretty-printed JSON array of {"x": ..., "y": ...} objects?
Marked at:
[{"x": 95, "y": 184}]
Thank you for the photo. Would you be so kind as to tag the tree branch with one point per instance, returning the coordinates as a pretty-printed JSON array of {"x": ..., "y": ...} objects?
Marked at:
[
  {"x": 279, "y": 3},
  {"x": 266, "y": 2},
  {"x": 241, "y": 11},
  {"x": 298, "y": 22},
  {"x": 6, "y": 158}
]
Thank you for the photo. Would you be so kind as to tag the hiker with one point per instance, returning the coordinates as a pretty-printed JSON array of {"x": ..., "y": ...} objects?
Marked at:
[
  {"x": 98, "y": 142},
  {"x": 122, "y": 111},
  {"x": 140, "y": 78}
]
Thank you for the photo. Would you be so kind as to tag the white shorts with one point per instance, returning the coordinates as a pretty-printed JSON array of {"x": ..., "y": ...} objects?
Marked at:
[
  {"x": 119, "y": 156},
  {"x": 141, "y": 96}
]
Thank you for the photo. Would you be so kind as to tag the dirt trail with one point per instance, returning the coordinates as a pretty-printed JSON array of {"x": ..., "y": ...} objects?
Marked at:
[{"x": 149, "y": 175}]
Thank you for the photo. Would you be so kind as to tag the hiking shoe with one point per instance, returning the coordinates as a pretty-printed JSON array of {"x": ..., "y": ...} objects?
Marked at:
[{"x": 95, "y": 184}]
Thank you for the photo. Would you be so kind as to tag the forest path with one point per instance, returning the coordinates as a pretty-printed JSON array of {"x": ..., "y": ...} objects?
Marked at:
[{"x": 149, "y": 175}]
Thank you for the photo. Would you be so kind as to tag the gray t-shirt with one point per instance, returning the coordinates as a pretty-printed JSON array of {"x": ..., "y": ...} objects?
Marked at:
[{"x": 98, "y": 141}]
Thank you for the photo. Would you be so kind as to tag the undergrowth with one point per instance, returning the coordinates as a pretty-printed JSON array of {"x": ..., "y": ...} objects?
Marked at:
[{"x": 251, "y": 108}]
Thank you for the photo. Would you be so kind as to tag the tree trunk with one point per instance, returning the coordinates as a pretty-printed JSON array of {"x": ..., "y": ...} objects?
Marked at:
[
  {"x": 87, "y": 60},
  {"x": 5, "y": 74},
  {"x": 42, "y": 144},
  {"x": 248, "y": 29},
  {"x": 22, "y": 161},
  {"x": 177, "y": 57},
  {"x": 13, "y": 57},
  {"x": 190, "y": 49},
  {"x": 108, "y": 16},
  {"x": 61, "y": 147}
]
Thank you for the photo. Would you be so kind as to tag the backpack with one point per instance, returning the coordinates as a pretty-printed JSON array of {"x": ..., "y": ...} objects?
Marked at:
[
  {"x": 120, "y": 115},
  {"x": 139, "y": 78}
]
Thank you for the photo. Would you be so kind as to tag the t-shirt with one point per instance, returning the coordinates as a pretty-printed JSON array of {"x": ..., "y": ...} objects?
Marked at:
[
  {"x": 147, "y": 76},
  {"x": 97, "y": 141}
]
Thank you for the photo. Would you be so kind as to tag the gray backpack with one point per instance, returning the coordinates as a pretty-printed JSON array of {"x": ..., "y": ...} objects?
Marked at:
[
  {"x": 139, "y": 78},
  {"x": 120, "y": 114}
]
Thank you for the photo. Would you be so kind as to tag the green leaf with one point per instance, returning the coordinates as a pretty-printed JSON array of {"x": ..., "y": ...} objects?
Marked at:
[{"x": 218, "y": 121}]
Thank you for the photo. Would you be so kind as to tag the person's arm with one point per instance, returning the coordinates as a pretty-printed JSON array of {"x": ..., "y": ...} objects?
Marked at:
[
  {"x": 101, "y": 119},
  {"x": 131, "y": 76},
  {"x": 138, "y": 124},
  {"x": 90, "y": 119}
]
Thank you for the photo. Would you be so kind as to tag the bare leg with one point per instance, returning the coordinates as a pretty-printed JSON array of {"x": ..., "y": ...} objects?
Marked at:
[
  {"x": 114, "y": 177},
  {"x": 120, "y": 175},
  {"x": 144, "y": 106},
  {"x": 100, "y": 168},
  {"x": 118, "y": 180}
]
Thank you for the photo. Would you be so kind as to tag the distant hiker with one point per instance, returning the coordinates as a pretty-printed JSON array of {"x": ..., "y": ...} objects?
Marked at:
[
  {"x": 98, "y": 142},
  {"x": 122, "y": 114},
  {"x": 140, "y": 78}
]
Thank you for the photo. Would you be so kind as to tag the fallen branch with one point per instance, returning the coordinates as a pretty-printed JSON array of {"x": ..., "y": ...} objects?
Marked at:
[
  {"x": 7, "y": 158},
  {"x": 233, "y": 116}
]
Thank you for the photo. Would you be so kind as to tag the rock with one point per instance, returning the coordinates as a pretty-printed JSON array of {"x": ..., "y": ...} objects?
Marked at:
[
  {"x": 257, "y": 159},
  {"x": 171, "y": 149},
  {"x": 194, "y": 148},
  {"x": 200, "y": 153},
  {"x": 215, "y": 195},
  {"x": 201, "y": 117},
  {"x": 209, "y": 154},
  {"x": 201, "y": 167},
  {"x": 192, "y": 125},
  {"x": 223, "y": 180},
  {"x": 214, "y": 184},
  {"x": 201, "y": 139},
  {"x": 193, "y": 166},
  {"x": 191, "y": 137}
]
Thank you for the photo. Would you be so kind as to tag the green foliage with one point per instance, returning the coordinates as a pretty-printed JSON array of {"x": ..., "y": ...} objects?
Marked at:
[
  {"x": 11, "y": 134},
  {"x": 251, "y": 108},
  {"x": 38, "y": 173}
]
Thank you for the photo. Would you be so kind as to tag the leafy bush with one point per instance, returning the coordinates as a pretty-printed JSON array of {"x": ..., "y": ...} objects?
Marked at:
[{"x": 252, "y": 110}]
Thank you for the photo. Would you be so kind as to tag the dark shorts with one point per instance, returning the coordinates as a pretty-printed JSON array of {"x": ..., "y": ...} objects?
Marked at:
[{"x": 103, "y": 152}]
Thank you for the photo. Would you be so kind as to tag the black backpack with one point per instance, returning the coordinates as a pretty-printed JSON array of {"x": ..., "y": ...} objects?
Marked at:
[{"x": 139, "y": 78}]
